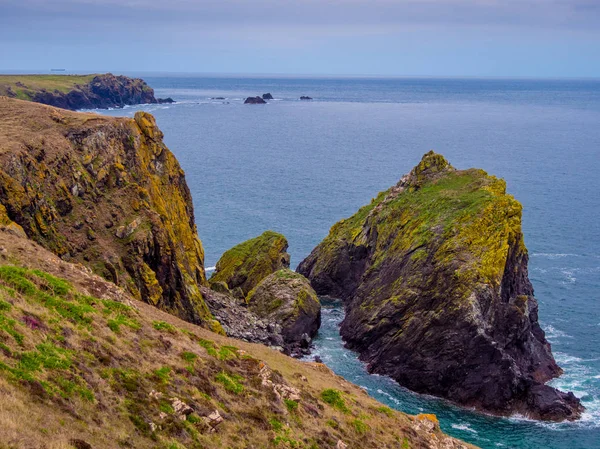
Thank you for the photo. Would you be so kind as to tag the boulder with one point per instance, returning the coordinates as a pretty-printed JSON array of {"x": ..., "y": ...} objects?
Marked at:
[
  {"x": 286, "y": 297},
  {"x": 255, "y": 100},
  {"x": 433, "y": 275},
  {"x": 248, "y": 263},
  {"x": 167, "y": 100},
  {"x": 304, "y": 97},
  {"x": 267, "y": 96}
]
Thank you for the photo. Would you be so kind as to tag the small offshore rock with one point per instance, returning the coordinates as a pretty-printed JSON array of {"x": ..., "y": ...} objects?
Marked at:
[
  {"x": 267, "y": 96},
  {"x": 255, "y": 100}
]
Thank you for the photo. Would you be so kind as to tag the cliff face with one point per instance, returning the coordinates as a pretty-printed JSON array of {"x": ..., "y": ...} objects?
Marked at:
[
  {"x": 84, "y": 365},
  {"x": 108, "y": 193},
  {"x": 79, "y": 92},
  {"x": 433, "y": 274}
]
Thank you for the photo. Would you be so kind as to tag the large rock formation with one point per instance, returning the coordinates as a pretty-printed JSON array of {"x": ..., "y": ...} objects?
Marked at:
[
  {"x": 245, "y": 265},
  {"x": 108, "y": 193},
  {"x": 286, "y": 298},
  {"x": 80, "y": 91},
  {"x": 433, "y": 275},
  {"x": 257, "y": 298}
]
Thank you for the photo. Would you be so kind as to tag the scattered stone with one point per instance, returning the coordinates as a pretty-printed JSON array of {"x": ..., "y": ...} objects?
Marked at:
[
  {"x": 155, "y": 394},
  {"x": 213, "y": 420},
  {"x": 341, "y": 445},
  {"x": 125, "y": 231},
  {"x": 182, "y": 410}
]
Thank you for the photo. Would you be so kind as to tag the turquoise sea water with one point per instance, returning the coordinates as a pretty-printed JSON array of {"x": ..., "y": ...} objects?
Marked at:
[{"x": 298, "y": 167}]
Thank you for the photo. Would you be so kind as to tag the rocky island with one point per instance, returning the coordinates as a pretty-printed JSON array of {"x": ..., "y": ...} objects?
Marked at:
[
  {"x": 79, "y": 91},
  {"x": 260, "y": 299},
  {"x": 97, "y": 235},
  {"x": 433, "y": 276}
]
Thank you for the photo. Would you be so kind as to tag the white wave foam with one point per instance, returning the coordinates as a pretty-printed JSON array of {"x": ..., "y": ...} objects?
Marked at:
[
  {"x": 554, "y": 255},
  {"x": 463, "y": 426}
]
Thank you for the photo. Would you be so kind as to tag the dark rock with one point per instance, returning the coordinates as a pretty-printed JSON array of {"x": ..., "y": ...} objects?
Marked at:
[
  {"x": 267, "y": 96},
  {"x": 304, "y": 97},
  {"x": 80, "y": 444},
  {"x": 103, "y": 92},
  {"x": 218, "y": 98},
  {"x": 433, "y": 276},
  {"x": 288, "y": 299},
  {"x": 167, "y": 100},
  {"x": 255, "y": 100}
]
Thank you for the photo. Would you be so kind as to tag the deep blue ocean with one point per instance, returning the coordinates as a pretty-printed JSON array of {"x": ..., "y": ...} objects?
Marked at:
[{"x": 297, "y": 167}]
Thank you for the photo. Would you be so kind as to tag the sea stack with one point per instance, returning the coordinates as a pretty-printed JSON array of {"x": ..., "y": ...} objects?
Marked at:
[{"x": 433, "y": 275}]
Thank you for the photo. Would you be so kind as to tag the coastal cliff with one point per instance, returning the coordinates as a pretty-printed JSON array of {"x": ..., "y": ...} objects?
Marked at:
[
  {"x": 79, "y": 91},
  {"x": 433, "y": 275},
  {"x": 105, "y": 192},
  {"x": 84, "y": 365}
]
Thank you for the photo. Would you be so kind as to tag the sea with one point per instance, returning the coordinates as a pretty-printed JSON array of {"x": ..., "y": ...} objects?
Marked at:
[{"x": 298, "y": 167}]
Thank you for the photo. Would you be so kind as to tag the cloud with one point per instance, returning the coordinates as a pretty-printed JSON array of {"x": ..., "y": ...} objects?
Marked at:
[{"x": 574, "y": 14}]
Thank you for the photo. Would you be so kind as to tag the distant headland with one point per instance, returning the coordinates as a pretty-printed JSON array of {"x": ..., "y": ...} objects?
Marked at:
[{"x": 80, "y": 91}]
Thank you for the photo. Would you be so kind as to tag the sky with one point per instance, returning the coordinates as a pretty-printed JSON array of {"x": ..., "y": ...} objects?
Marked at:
[{"x": 500, "y": 38}]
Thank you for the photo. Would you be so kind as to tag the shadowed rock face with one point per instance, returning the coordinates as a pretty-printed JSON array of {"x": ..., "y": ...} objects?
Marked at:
[
  {"x": 433, "y": 274},
  {"x": 287, "y": 299},
  {"x": 105, "y": 192},
  {"x": 102, "y": 92}
]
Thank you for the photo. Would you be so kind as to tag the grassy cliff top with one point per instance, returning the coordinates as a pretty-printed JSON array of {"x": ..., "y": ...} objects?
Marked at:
[
  {"x": 82, "y": 364},
  {"x": 436, "y": 211},
  {"x": 24, "y": 121},
  {"x": 23, "y": 86}
]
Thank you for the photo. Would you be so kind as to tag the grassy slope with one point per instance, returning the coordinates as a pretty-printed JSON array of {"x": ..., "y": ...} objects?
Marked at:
[
  {"x": 79, "y": 359},
  {"x": 35, "y": 83}
]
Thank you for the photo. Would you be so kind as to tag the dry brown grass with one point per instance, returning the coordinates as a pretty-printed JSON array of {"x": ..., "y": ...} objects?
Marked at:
[{"x": 118, "y": 415}]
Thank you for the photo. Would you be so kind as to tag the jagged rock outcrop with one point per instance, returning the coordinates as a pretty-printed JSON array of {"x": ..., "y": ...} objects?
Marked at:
[
  {"x": 245, "y": 265},
  {"x": 433, "y": 275},
  {"x": 286, "y": 298},
  {"x": 105, "y": 192},
  {"x": 82, "y": 91}
]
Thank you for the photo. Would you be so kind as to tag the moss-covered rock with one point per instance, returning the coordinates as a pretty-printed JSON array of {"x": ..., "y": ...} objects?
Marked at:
[
  {"x": 287, "y": 299},
  {"x": 105, "y": 192},
  {"x": 433, "y": 274},
  {"x": 248, "y": 263}
]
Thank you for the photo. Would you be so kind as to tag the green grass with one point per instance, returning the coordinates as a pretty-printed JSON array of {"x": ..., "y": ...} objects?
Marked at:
[
  {"x": 335, "y": 399},
  {"x": 164, "y": 326},
  {"x": 163, "y": 374},
  {"x": 231, "y": 382},
  {"x": 360, "y": 427},
  {"x": 35, "y": 83},
  {"x": 122, "y": 320},
  {"x": 210, "y": 347},
  {"x": 292, "y": 406}
]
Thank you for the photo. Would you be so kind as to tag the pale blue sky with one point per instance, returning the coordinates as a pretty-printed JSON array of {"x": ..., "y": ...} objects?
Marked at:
[{"x": 537, "y": 38}]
